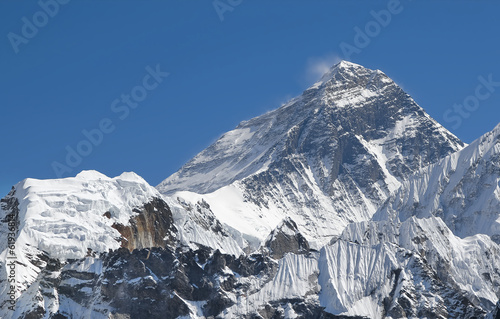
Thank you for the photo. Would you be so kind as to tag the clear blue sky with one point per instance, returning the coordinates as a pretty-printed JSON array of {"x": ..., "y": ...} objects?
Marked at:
[{"x": 64, "y": 78}]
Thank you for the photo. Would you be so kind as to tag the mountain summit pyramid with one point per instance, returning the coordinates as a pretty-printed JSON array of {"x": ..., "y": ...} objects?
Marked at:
[{"x": 326, "y": 158}]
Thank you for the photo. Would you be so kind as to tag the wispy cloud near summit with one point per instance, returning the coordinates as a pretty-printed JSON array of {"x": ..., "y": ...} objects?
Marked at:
[{"x": 317, "y": 66}]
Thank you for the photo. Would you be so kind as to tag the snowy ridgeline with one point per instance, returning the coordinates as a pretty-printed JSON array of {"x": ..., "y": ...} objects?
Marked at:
[
  {"x": 419, "y": 261},
  {"x": 462, "y": 189},
  {"x": 66, "y": 217}
]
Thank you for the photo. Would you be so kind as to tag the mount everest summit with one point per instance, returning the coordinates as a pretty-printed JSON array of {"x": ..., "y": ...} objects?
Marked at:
[
  {"x": 326, "y": 159},
  {"x": 349, "y": 201}
]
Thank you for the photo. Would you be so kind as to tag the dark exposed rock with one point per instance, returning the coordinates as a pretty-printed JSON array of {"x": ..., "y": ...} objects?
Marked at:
[
  {"x": 495, "y": 314},
  {"x": 286, "y": 239},
  {"x": 152, "y": 283},
  {"x": 153, "y": 226},
  {"x": 35, "y": 314}
]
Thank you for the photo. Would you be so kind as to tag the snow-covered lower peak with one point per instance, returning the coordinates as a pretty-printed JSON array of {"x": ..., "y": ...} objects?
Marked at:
[
  {"x": 46, "y": 223},
  {"x": 60, "y": 234},
  {"x": 463, "y": 189},
  {"x": 66, "y": 217}
]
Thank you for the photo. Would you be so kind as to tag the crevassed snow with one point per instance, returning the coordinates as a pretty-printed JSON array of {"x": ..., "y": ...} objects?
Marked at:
[
  {"x": 358, "y": 270},
  {"x": 463, "y": 189},
  {"x": 296, "y": 278},
  {"x": 65, "y": 217}
]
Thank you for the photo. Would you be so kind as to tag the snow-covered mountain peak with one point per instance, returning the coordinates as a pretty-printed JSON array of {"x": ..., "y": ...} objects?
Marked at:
[
  {"x": 343, "y": 67},
  {"x": 348, "y": 75},
  {"x": 66, "y": 217},
  {"x": 273, "y": 220},
  {"x": 326, "y": 158},
  {"x": 91, "y": 175}
]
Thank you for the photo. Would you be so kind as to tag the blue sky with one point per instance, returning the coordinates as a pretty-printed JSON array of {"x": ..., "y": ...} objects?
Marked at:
[{"x": 71, "y": 67}]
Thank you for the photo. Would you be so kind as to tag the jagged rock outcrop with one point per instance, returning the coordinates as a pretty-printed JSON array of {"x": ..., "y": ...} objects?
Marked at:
[
  {"x": 286, "y": 238},
  {"x": 153, "y": 226}
]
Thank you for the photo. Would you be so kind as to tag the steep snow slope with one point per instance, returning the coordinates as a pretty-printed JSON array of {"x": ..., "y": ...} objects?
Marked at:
[
  {"x": 326, "y": 158},
  {"x": 463, "y": 189},
  {"x": 197, "y": 226},
  {"x": 295, "y": 279},
  {"x": 432, "y": 248},
  {"x": 413, "y": 269}
]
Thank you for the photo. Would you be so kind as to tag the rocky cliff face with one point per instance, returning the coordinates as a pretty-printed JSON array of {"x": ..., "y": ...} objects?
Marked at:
[
  {"x": 286, "y": 238},
  {"x": 153, "y": 226}
]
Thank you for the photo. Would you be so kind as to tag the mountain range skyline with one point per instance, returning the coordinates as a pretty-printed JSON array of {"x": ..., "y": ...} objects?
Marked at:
[
  {"x": 454, "y": 114},
  {"x": 65, "y": 78}
]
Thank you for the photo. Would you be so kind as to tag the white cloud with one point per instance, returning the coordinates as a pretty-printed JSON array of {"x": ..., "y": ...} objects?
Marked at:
[{"x": 317, "y": 66}]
